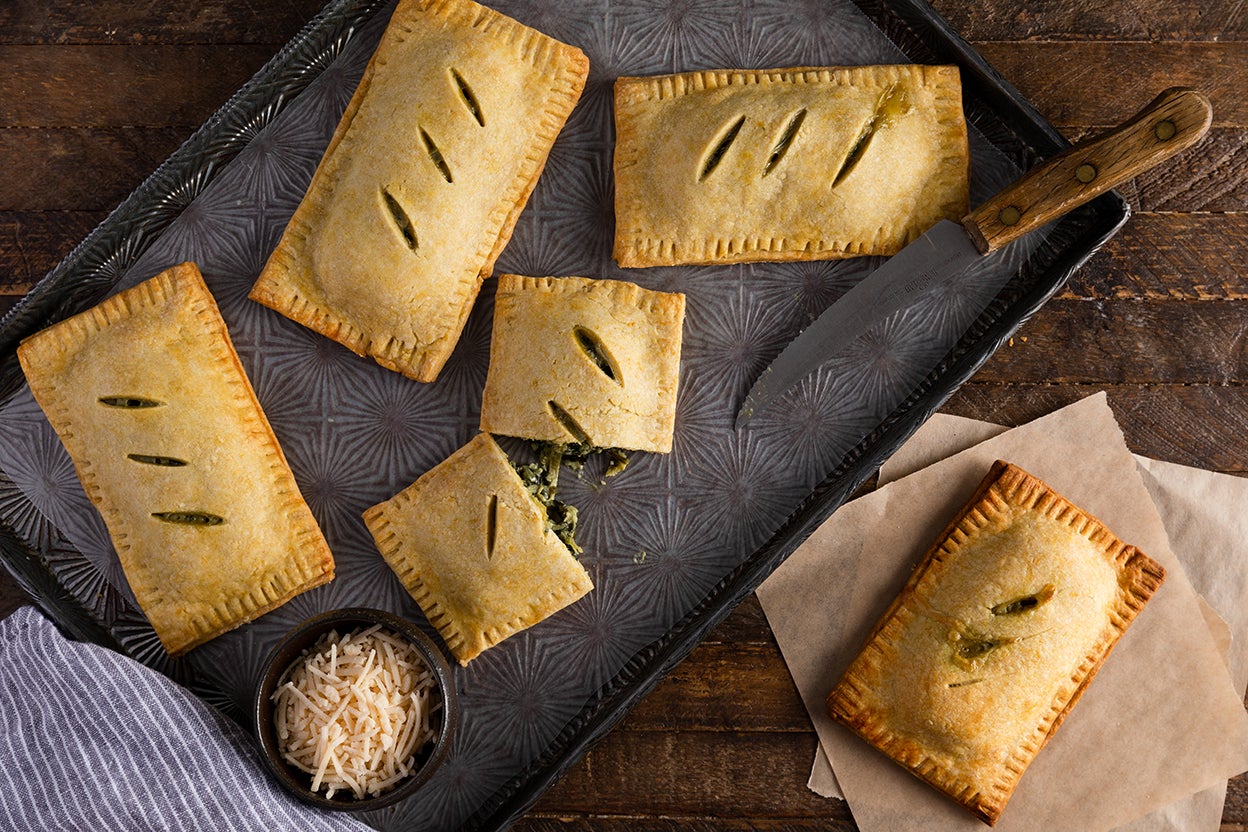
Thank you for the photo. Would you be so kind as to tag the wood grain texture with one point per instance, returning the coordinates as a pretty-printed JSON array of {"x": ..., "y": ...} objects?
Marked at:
[
  {"x": 1171, "y": 256},
  {"x": 1126, "y": 341},
  {"x": 33, "y": 242},
  {"x": 1204, "y": 426},
  {"x": 721, "y": 773},
  {"x": 1196, "y": 21},
  {"x": 745, "y": 685},
  {"x": 1213, "y": 176},
  {"x": 1101, "y": 84},
  {"x": 120, "y": 86},
  {"x": 152, "y": 21},
  {"x": 1173, "y": 122},
  {"x": 95, "y": 95},
  {"x": 80, "y": 169}
]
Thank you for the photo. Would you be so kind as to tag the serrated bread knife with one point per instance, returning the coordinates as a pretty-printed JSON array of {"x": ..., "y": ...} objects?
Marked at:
[{"x": 1174, "y": 121}]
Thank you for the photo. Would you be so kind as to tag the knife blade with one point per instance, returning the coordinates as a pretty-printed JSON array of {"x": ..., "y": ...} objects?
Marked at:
[{"x": 1171, "y": 123}]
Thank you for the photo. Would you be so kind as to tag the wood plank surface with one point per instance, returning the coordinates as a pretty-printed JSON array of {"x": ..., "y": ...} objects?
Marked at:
[
  {"x": 1101, "y": 83},
  {"x": 1169, "y": 256},
  {"x": 81, "y": 168},
  {"x": 94, "y": 95},
  {"x": 123, "y": 86},
  {"x": 33, "y": 242},
  {"x": 152, "y": 22},
  {"x": 1194, "y": 21}
]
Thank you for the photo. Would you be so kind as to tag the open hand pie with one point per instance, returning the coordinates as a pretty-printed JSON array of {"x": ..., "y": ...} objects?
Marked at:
[
  {"x": 422, "y": 183},
  {"x": 148, "y": 396},
  {"x": 586, "y": 361},
  {"x": 475, "y": 549},
  {"x": 729, "y": 166},
  {"x": 994, "y": 638}
]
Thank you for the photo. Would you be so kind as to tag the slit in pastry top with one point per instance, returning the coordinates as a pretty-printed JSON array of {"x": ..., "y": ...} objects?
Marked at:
[
  {"x": 431, "y": 147},
  {"x": 785, "y": 141},
  {"x": 892, "y": 104},
  {"x": 468, "y": 96},
  {"x": 189, "y": 518},
  {"x": 569, "y": 423},
  {"x": 129, "y": 402},
  {"x": 596, "y": 351},
  {"x": 435, "y": 156},
  {"x": 399, "y": 216},
  {"x": 158, "y": 460},
  {"x": 716, "y": 152},
  {"x": 491, "y": 526}
]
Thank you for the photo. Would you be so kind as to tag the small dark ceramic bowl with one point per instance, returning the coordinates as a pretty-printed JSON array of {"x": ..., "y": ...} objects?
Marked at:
[{"x": 292, "y": 647}]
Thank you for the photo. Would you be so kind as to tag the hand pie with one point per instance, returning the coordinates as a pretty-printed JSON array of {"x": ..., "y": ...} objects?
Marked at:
[
  {"x": 993, "y": 640},
  {"x": 728, "y": 166},
  {"x": 588, "y": 361},
  {"x": 422, "y": 183},
  {"x": 167, "y": 436},
  {"x": 474, "y": 547}
]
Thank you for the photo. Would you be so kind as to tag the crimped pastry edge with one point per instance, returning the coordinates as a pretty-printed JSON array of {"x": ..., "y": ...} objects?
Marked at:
[
  {"x": 569, "y": 69},
  {"x": 466, "y": 643},
  {"x": 183, "y": 281},
  {"x": 1138, "y": 578},
  {"x": 644, "y": 249},
  {"x": 663, "y": 309}
]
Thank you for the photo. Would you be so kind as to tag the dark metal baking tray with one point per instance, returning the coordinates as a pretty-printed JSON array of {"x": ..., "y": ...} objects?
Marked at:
[{"x": 673, "y": 543}]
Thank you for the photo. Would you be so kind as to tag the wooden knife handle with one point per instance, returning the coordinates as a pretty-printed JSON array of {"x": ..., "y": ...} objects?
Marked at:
[{"x": 1174, "y": 121}]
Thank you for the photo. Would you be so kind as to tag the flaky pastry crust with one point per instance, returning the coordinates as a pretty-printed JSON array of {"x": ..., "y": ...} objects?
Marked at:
[
  {"x": 726, "y": 166},
  {"x": 166, "y": 434},
  {"x": 422, "y": 183},
  {"x": 993, "y": 640}
]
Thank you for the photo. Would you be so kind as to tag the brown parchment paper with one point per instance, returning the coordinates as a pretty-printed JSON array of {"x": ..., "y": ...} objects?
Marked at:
[
  {"x": 1160, "y": 722},
  {"x": 1208, "y": 530}
]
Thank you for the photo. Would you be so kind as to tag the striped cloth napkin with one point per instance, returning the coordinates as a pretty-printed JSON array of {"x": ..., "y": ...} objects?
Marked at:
[{"x": 92, "y": 740}]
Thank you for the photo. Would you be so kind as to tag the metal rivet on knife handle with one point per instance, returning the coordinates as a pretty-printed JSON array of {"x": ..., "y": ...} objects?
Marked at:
[
  {"x": 1055, "y": 187},
  {"x": 1085, "y": 173},
  {"x": 946, "y": 249}
]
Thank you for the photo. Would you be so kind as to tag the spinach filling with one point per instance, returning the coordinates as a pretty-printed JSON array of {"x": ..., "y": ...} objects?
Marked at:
[
  {"x": 574, "y": 455},
  {"x": 541, "y": 479}
]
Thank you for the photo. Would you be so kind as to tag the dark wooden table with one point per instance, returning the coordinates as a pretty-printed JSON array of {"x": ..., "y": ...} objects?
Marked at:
[{"x": 94, "y": 95}]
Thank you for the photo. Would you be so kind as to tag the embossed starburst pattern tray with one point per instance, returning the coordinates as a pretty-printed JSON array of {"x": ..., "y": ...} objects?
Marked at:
[{"x": 675, "y": 541}]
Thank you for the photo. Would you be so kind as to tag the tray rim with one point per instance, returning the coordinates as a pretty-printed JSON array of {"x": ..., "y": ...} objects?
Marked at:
[
  {"x": 97, "y": 252},
  {"x": 633, "y": 683},
  {"x": 40, "y": 306}
]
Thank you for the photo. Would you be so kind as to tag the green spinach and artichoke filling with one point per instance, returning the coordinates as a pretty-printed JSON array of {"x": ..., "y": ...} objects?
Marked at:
[{"x": 541, "y": 479}]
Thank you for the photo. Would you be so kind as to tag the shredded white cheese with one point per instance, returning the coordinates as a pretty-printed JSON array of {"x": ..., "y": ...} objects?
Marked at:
[{"x": 354, "y": 711}]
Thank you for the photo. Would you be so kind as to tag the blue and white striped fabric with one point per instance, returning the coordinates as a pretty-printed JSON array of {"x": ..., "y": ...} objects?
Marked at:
[{"x": 91, "y": 740}]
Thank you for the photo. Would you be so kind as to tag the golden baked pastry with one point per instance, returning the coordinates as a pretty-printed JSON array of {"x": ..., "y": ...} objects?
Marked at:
[
  {"x": 993, "y": 639},
  {"x": 476, "y": 550},
  {"x": 595, "y": 362},
  {"x": 422, "y": 183},
  {"x": 728, "y": 166},
  {"x": 166, "y": 434}
]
